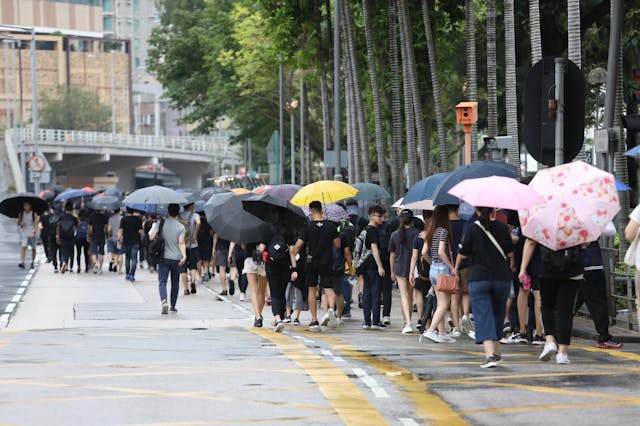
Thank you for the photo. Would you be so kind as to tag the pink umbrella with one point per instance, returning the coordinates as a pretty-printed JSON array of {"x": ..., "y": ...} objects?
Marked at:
[
  {"x": 579, "y": 201},
  {"x": 496, "y": 191}
]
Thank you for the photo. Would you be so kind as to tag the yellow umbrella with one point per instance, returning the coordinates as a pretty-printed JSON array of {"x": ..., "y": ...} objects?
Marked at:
[{"x": 325, "y": 191}]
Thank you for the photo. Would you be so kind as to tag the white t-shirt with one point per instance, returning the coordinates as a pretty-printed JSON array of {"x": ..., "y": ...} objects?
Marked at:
[{"x": 635, "y": 214}]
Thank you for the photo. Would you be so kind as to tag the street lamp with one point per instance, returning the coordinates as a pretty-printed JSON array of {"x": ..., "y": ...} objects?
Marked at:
[{"x": 290, "y": 107}]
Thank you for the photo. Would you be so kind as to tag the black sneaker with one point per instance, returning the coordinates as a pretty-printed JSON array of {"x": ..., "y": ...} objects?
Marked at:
[
  {"x": 257, "y": 322},
  {"x": 279, "y": 327},
  {"x": 193, "y": 288},
  {"x": 287, "y": 320},
  {"x": 173, "y": 310},
  {"x": 55, "y": 271},
  {"x": 538, "y": 340},
  {"x": 223, "y": 293},
  {"x": 415, "y": 308},
  {"x": 232, "y": 286},
  {"x": 346, "y": 315},
  {"x": 21, "y": 265},
  {"x": 33, "y": 266},
  {"x": 296, "y": 322},
  {"x": 314, "y": 326},
  {"x": 378, "y": 326},
  {"x": 492, "y": 362}
]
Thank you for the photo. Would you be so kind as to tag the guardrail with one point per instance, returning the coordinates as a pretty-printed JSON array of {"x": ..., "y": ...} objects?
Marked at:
[{"x": 217, "y": 145}]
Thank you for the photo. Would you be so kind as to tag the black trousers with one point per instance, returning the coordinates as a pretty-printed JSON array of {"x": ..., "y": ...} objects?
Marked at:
[
  {"x": 44, "y": 236},
  {"x": 66, "y": 252},
  {"x": 278, "y": 277},
  {"x": 82, "y": 245},
  {"x": 593, "y": 292},
  {"x": 54, "y": 250},
  {"x": 387, "y": 287},
  {"x": 558, "y": 302}
]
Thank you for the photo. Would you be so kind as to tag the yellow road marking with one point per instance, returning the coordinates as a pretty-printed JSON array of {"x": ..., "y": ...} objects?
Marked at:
[
  {"x": 614, "y": 353},
  {"x": 471, "y": 380},
  {"x": 345, "y": 397},
  {"x": 557, "y": 391}
]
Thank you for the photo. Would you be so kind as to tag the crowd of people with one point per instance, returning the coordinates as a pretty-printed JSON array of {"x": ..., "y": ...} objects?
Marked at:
[{"x": 478, "y": 278}]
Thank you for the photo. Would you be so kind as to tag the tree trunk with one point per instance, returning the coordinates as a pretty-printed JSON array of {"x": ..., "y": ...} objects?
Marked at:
[
  {"x": 492, "y": 63},
  {"x": 412, "y": 155},
  {"x": 435, "y": 84},
  {"x": 472, "y": 83},
  {"x": 361, "y": 119},
  {"x": 375, "y": 91},
  {"x": 510, "y": 82},
  {"x": 324, "y": 93},
  {"x": 397, "y": 169},
  {"x": 350, "y": 95},
  {"x": 409, "y": 71},
  {"x": 536, "y": 38},
  {"x": 352, "y": 178},
  {"x": 573, "y": 26}
]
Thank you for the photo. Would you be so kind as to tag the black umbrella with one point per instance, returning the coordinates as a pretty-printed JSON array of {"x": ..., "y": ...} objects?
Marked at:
[
  {"x": 232, "y": 223},
  {"x": 12, "y": 205},
  {"x": 108, "y": 202},
  {"x": 264, "y": 206},
  {"x": 215, "y": 202},
  {"x": 206, "y": 193}
]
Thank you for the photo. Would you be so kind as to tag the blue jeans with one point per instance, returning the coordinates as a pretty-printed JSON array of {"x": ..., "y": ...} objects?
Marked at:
[
  {"x": 488, "y": 302},
  {"x": 131, "y": 258},
  {"x": 438, "y": 269},
  {"x": 165, "y": 267},
  {"x": 371, "y": 295}
]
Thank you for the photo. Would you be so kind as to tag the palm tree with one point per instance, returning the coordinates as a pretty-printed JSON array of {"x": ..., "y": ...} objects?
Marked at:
[
  {"x": 352, "y": 127},
  {"x": 510, "y": 82},
  {"x": 377, "y": 108},
  {"x": 397, "y": 169},
  {"x": 324, "y": 90},
  {"x": 356, "y": 89},
  {"x": 409, "y": 71},
  {"x": 492, "y": 63},
  {"x": 435, "y": 83},
  {"x": 536, "y": 38},
  {"x": 573, "y": 26},
  {"x": 412, "y": 155},
  {"x": 472, "y": 84}
]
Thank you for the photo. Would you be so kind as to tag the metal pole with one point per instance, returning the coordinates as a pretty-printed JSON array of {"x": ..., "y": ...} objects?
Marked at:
[
  {"x": 5, "y": 46},
  {"x": 281, "y": 118},
  {"x": 113, "y": 96},
  {"x": 249, "y": 155},
  {"x": 293, "y": 149},
  {"x": 34, "y": 94},
  {"x": 301, "y": 131},
  {"x": 560, "y": 64},
  {"x": 336, "y": 89}
]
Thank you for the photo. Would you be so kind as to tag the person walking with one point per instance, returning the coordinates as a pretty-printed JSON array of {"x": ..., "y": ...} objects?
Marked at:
[
  {"x": 384, "y": 233},
  {"x": 146, "y": 227},
  {"x": 254, "y": 268},
  {"x": 488, "y": 245},
  {"x": 561, "y": 277},
  {"x": 191, "y": 222},
  {"x": 437, "y": 248},
  {"x": 81, "y": 241},
  {"x": 54, "y": 246},
  {"x": 43, "y": 225},
  {"x": 98, "y": 222},
  {"x": 221, "y": 260},
  {"x": 130, "y": 234},
  {"x": 205, "y": 249},
  {"x": 113, "y": 248},
  {"x": 319, "y": 237},
  {"x": 65, "y": 234},
  {"x": 631, "y": 232},
  {"x": 28, "y": 222},
  {"x": 400, "y": 250},
  {"x": 173, "y": 257}
]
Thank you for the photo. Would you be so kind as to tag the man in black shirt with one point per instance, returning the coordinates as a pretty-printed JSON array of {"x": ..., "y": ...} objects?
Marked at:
[
  {"x": 319, "y": 236},
  {"x": 65, "y": 233},
  {"x": 374, "y": 270},
  {"x": 95, "y": 235},
  {"x": 130, "y": 236}
]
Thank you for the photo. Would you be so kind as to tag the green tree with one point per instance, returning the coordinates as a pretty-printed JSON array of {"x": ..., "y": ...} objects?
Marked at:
[{"x": 74, "y": 108}]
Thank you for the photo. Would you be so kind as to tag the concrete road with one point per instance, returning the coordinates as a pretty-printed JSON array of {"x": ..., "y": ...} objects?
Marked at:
[{"x": 86, "y": 349}]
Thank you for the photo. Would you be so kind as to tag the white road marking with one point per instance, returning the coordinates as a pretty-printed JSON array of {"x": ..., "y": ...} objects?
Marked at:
[
  {"x": 377, "y": 390},
  {"x": 16, "y": 298},
  {"x": 4, "y": 319},
  {"x": 24, "y": 283},
  {"x": 332, "y": 356},
  {"x": 10, "y": 307},
  {"x": 21, "y": 290},
  {"x": 408, "y": 422}
]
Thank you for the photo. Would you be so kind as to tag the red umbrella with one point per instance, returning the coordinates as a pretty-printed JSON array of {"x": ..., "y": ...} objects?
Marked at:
[{"x": 88, "y": 189}]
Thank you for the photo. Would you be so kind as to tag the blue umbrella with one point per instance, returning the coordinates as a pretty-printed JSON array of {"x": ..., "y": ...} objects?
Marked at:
[
  {"x": 199, "y": 206},
  {"x": 423, "y": 190},
  {"x": 71, "y": 193},
  {"x": 477, "y": 169},
  {"x": 633, "y": 152},
  {"x": 370, "y": 192},
  {"x": 160, "y": 209},
  {"x": 621, "y": 186},
  {"x": 115, "y": 192}
]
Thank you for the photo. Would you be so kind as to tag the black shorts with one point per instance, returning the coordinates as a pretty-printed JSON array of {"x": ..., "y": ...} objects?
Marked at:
[
  {"x": 338, "y": 282},
  {"x": 422, "y": 285},
  {"x": 314, "y": 272},
  {"x": 192, "y": 258}
]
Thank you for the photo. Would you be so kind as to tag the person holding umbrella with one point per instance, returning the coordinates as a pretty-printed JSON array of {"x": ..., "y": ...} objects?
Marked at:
[
  {"x": 65, "y": 234},
  {"x": 27, "y": 226}
]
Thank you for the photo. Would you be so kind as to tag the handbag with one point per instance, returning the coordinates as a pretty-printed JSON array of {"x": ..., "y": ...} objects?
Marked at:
[
  {"x": 631, "y": 256},
  {"x": 447, "y": 284},
  {"x": 156, "y": 246}
]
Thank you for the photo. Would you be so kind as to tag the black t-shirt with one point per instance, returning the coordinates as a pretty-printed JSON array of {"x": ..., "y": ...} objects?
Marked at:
[
  {"x": 131, "y": 226},
  {"x": 222, "y": 244},
  {"x": 487, "y": 264},
  {"x": 44, "y": 221},
  {"x": 318, "y": 237},
  {"x": 373, "y": 236},
  {"x": 98, "y": 222}
]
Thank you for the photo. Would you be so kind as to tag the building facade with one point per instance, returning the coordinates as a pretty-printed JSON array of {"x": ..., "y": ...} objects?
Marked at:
[{"x": 60, "y": 15}]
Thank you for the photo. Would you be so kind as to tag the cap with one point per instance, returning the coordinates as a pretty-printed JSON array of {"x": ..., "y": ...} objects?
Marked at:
[{"x": 406, "y": 213}]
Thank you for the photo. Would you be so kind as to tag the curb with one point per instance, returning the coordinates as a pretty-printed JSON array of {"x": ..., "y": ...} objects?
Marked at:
[{"x": 5, "y": 318}]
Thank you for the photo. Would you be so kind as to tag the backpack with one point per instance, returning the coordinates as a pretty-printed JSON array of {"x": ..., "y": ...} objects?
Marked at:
[
  {"x": 347, "y": 232},
  {"x": 564, "y": 263},
  {"x": 278, "y": 249},
  {"x": 188, "y": 236},
  {"x": 361, "y": 253},
  {"x": 81, "y": 232},
  {"x": 156, "y": 246},
  {"x": 67, "y": 228}
]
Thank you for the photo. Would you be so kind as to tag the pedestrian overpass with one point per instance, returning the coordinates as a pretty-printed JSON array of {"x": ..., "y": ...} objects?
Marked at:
[{"x": 92, "y": 154}]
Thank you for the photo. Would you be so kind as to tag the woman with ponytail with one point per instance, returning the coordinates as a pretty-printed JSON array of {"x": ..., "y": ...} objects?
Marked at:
[{"x": 489, "y": 247}]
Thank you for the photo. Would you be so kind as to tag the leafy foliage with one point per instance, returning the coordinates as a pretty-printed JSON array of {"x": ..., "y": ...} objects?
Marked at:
[{"x": 73, "y": 108}]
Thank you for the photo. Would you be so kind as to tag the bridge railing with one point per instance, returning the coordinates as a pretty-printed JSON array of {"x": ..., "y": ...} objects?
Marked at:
[{"x": 216, "y": 145}]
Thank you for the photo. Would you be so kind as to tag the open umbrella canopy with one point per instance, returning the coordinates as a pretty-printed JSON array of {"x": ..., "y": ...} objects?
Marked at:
[
  {"x": 579, "y": 201},
  {"x": 158, "y": 209},
  {"x": 155, "y": 195},
  {"x": 633, "y": 152},
  {"x": 206, "y": 193},
  {"x": 107, "y": 202},
  {"x": 325, "y": 191},
  {"x": 285, "y": 191},
  {"x": 268, "y": 208},
  {"x": 423, "y": 189},
  {"x": 332, "y": 212},
  {"x": 240, "y": 191},
  {"x": 371, "y": 192},
  {"x": 47, "y": 195},
  {"x": 398, "y": 203},
  {"x": 231, "y": 222},
  {"x": 496, "y": 191},
  {"x": 71, "y": 194},
  {"x": 116, "y": 192},
  {"x": 216, "y": 201},
  {"x": 13, "y": 205},
  {"x": 88, "y": 189},
  {"x": 477, "y": 169}
]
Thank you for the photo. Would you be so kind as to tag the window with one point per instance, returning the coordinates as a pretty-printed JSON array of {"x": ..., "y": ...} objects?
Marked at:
[
  {"x": 107, "y": 5},
  {"x": 136, "y": 43},
  {"x": 136, "y": 25},
  {"x": 107, "y": 24},
  {"x": 136, "y": 5},
  {"x": 45, "y": 45}
]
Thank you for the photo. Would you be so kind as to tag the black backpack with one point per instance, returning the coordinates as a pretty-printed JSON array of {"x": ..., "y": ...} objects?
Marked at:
[
  {"x": 156, "y": 246},
  {"x": 564, "y": 263},
  {"x": 348, "y": 233},
  {"x": 67, "y": 228},
  {"x": 278, "y": 249}
]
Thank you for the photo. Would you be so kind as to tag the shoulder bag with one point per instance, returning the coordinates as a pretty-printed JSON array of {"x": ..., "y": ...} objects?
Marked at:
[
  {"x": 492, "y": 239},
  {"x": 631, "y": 257},
  {"x": 447, "y": 283}
]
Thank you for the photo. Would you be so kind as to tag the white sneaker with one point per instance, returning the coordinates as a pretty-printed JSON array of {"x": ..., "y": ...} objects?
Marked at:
[
  {"x": 242, "y": 297},
  {"x": 455, "y": 333},
  {"x": 433, "y": 336},
  {"x": 325, "y": 319},
  {"x": 333, "y": 320},
  {"x": 407, "y": 329},
  {"x": 549, "y": 350},
  {"x": 386, "y": 320},
  {"x": 448, "y": 339},
  {"x": 562, "y": 358},
  {"x": 472, "y": 335},
  {"x": 339, "y": 321},
  {"x": 465, "y": 323}
]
